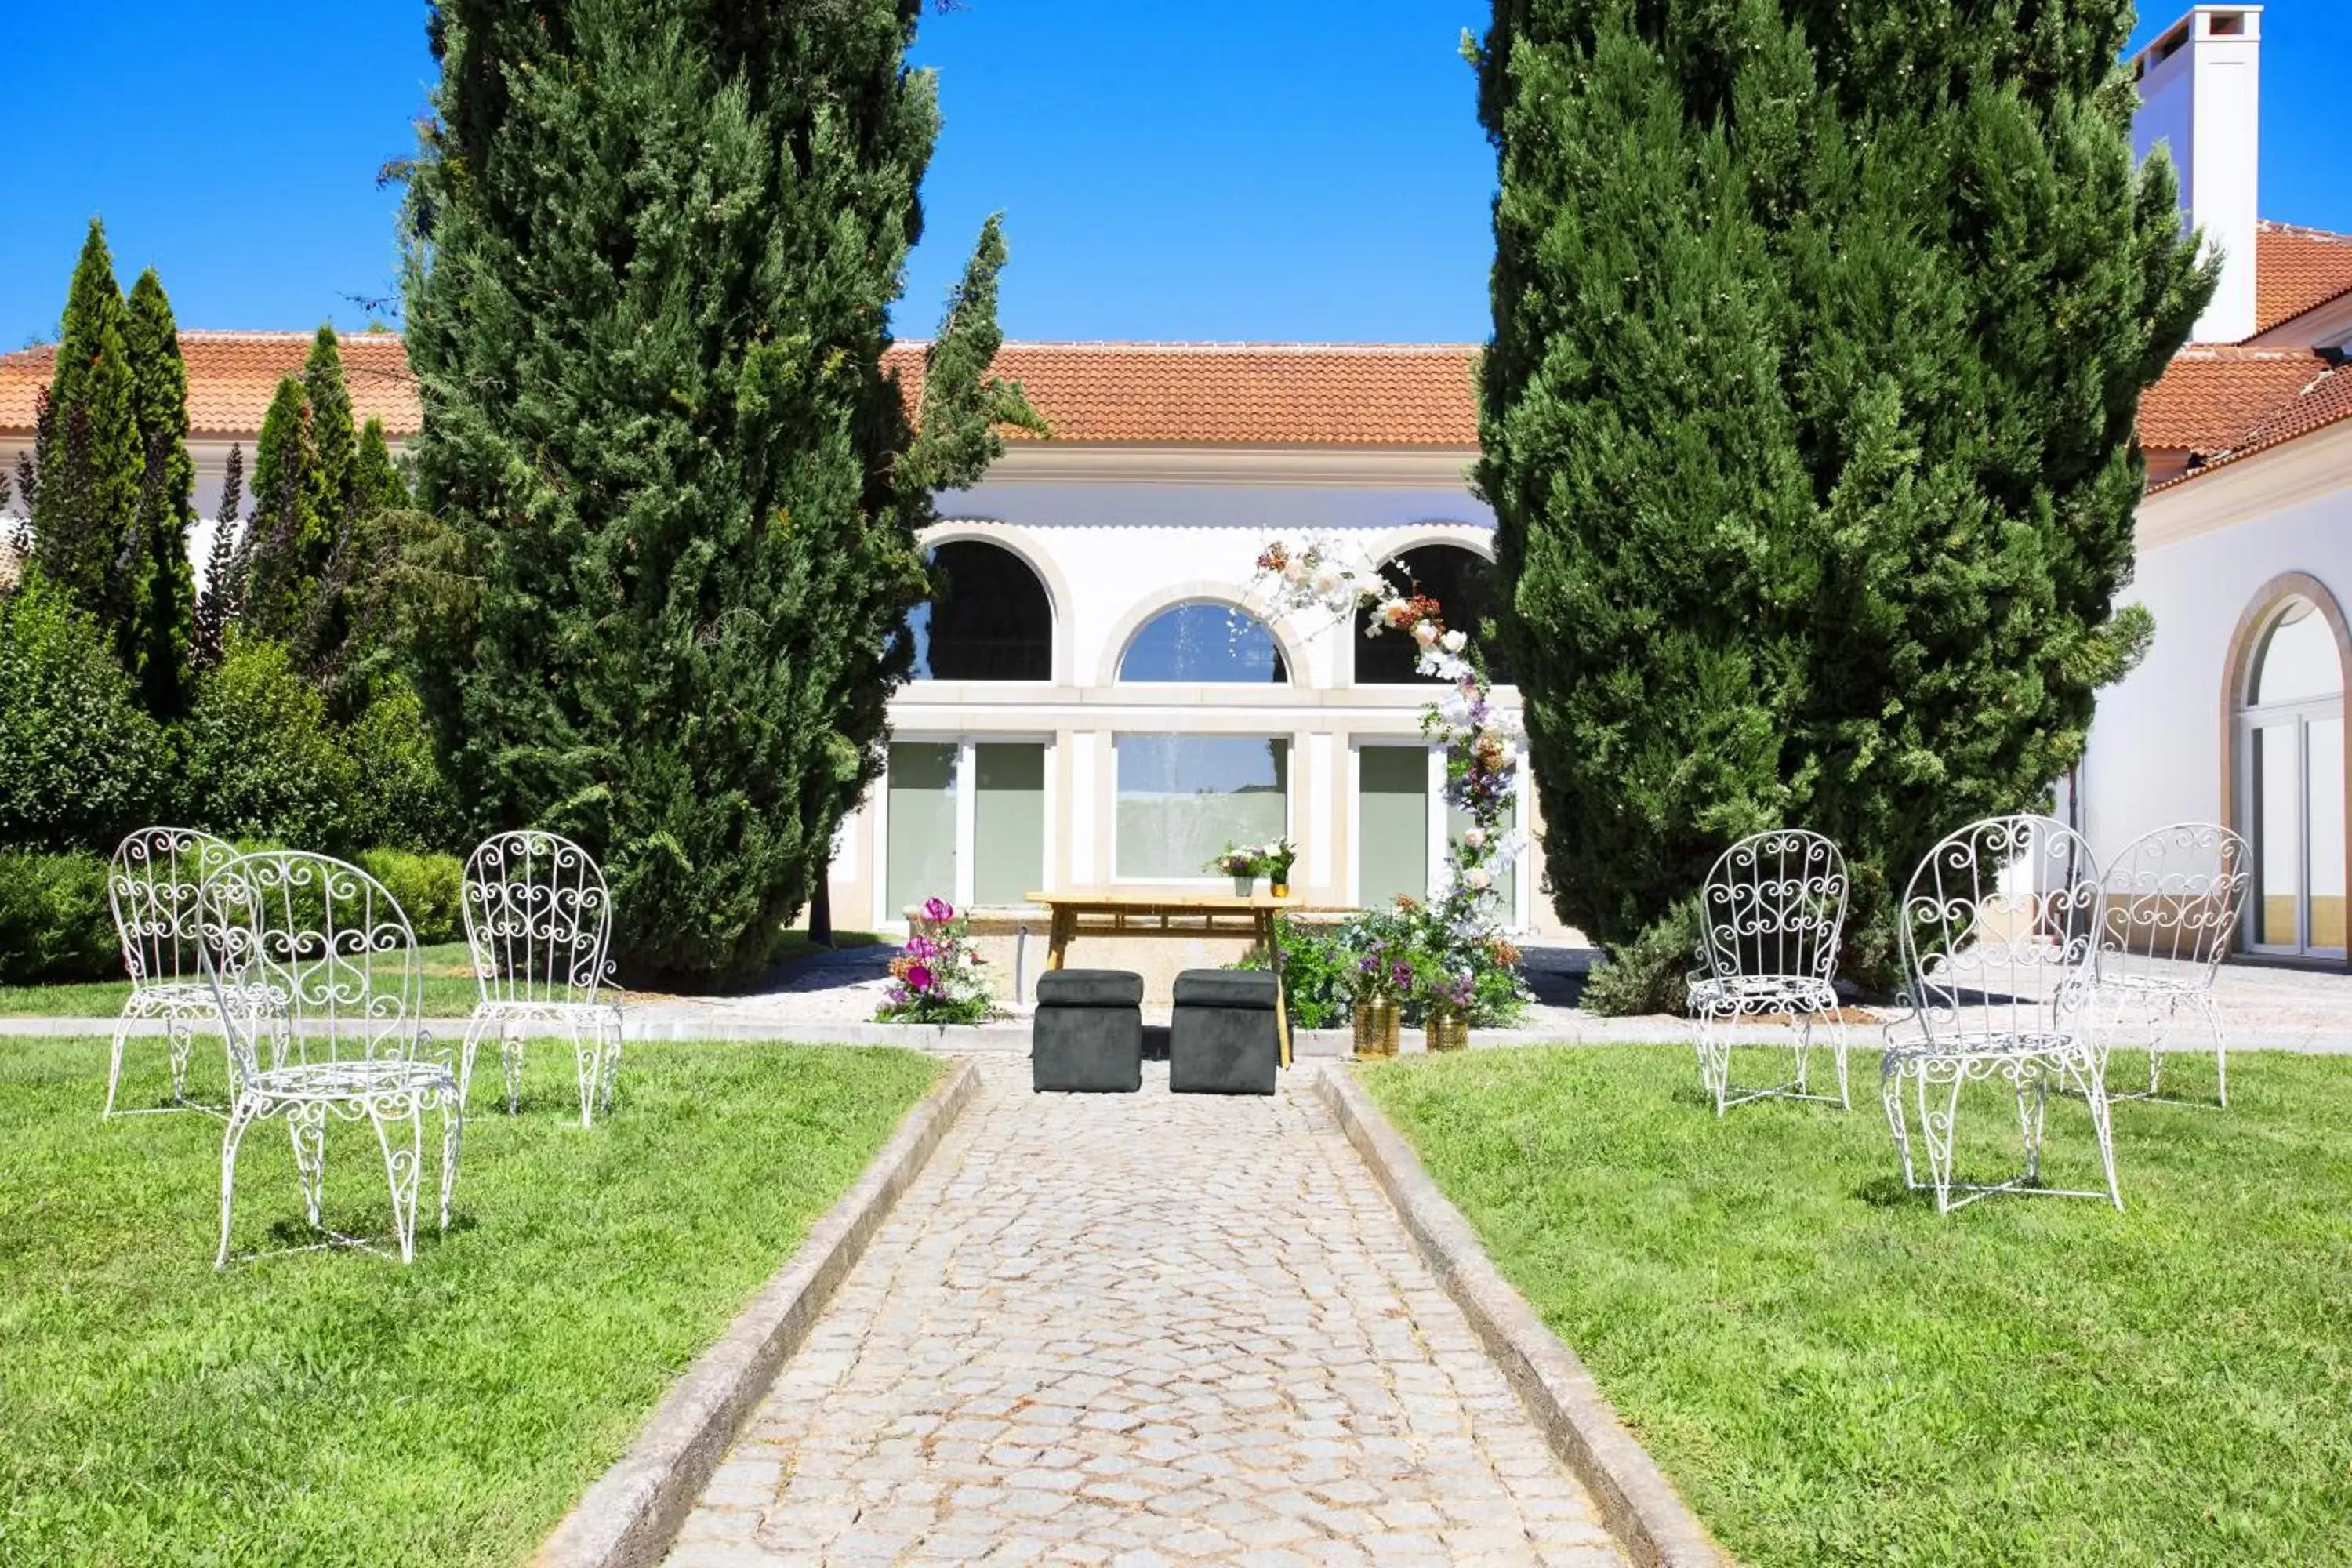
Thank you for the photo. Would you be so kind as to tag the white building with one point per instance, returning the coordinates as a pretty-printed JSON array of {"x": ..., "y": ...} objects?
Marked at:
[{"x": 1099, "y": 703}]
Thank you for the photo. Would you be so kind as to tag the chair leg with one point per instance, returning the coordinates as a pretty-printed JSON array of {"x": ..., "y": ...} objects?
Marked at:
[
  {"x": 402, "y": 1165},
  {"x": 1714, "y": 1059},
  {"x": 306, "y": 1126},
  {"x": 177, "y": 1040},
  {"x": 2203, "y": 1001},
  {"x": 2102, "y": 1127},
  {"x": 1804, "y": 1049},
  {"x": 2033, "y": 1116},
  {"x": 1940, "y": 1131},
  {"x": 612, "y": 1067},
  {"x": 240, "y": 1117},
  {"x": 588, "y": 1062},
  {"x": 453, "y": 1134},
  {"x": 1890, "y": 1094},
  {"x": 474, "y": 1031},
  {"x": 1838, "y": 1045},
  {"x": 510, "y": 1062},
  {"x": 114, "y": 1064}
]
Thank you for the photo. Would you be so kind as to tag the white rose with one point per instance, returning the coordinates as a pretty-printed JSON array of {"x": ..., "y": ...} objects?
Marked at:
[
  {"x": 1479, "y": 878},
  {"x": 1424, "y": 632},
  {"x": 1326, "y": 581},
  {"x": 1454, "y": 641},
  {"x": 1473, "y": 838},
  {"x": 1295, "y": 570}
]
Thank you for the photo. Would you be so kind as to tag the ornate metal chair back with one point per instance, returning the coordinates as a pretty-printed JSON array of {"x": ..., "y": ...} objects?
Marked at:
[
  {"x": 2174, "y": 897},
  {"x": 538, "y": 918},
  {"x": 155, "y": 888},
  {"x": 1774, "y": 904},
  {"x": 333, "y": 945},
  {"x": 1997, "y": 931}
]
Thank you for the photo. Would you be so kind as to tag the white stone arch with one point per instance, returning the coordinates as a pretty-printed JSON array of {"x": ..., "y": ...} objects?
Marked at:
[
  {"x": 1024, "y": 547},
  {"x": 1478, "y": 539},
  {"x": 1203, "y": 591}
]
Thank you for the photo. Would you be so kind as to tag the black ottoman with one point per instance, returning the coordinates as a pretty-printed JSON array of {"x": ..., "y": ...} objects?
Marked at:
[
  {"x": 1088, "y": 1034},
  {"x": 1224, "y": 1039}
]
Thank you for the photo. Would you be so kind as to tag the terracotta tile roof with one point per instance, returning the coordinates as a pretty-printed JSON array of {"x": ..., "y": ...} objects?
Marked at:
[
  {"x": 1337, "y": 395},
  {"x": 233, "y": 375},
  {"x": 2325, "y": 400},
  {"x": 2212, "y": 393},
  {"x": 2297, "y": 270}
]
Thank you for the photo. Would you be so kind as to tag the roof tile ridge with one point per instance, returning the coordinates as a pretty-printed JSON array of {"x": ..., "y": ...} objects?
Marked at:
[{"x": 2300, "y": 231}]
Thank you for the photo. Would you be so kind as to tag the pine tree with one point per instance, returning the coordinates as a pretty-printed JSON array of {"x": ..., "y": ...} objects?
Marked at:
[
  {"x": 1808, "y": 419},
  {"x": 163, "y": 595},
  {"x": 91, "y": 466},
  {"x": 286, "y": 538},
  {"x": 376, "y": 484},
  {"x": 228, "y": 566},
  {"x": 655, "y": 244}
]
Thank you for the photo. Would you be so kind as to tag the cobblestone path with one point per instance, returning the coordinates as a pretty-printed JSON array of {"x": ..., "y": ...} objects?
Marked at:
[{"x": 1141, "y": 1329}]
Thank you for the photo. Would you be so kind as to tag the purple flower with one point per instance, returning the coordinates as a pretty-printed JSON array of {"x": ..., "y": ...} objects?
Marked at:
[
  {"x": 937, "y": 910},
  {"x": 921, "y": 946},
  {"x": 1368, "y": 964},
  {"x": 919, "y": 977},
  {"x": 1400, "y": 975}
]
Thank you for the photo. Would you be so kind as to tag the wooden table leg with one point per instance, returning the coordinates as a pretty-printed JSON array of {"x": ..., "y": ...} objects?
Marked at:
[
  {"x": 1057, "y": 937},
  {"x": 1274, "y": 962}
]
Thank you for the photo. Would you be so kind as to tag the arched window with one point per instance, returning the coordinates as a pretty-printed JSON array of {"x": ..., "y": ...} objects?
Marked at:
[
  {"x": 1204, "y": 643},
  {"x": 990, "y": 620},
  {"x": 2290, "y": 762},
  {"x": 1462, "y": 582}
]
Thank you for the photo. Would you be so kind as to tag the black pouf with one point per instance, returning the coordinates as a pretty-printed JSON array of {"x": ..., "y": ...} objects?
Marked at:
[
  {"x": 1088, "y": 1034},
  {"x": 1224, "y": 1040}
]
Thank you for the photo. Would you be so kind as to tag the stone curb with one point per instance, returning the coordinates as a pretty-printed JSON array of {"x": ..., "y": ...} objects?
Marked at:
[
  {"x": 628, "y": 1516},
  {"x": 1638, "y": 1503}
]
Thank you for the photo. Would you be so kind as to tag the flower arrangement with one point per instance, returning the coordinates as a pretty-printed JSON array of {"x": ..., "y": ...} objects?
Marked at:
[
  {"x": 938, "y": 978},
  {"x": 1279, "y": 856},
  {"x": 1245, "y": 861},
  {"x": 1460, "y": 933}
]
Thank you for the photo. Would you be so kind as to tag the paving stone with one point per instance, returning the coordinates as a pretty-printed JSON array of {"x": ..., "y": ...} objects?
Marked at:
[{"x": 1141, "y": 1329}]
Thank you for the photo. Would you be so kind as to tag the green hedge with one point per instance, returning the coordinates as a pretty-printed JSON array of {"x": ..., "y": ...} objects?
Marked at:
[{"x": 56, "y": 927}]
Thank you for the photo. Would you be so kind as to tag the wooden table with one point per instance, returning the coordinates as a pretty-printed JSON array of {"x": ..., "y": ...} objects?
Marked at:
[{"x": 1121, "y": 911}]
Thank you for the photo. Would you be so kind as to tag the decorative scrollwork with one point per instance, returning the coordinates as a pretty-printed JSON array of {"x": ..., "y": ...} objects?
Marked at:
[
  {"x": 2174, "y": 897},
  {"x": 1772, "y": 914},
  {"x": 334, "y": 954},
  {"x": 153, "y": 887},
  {"x": 1998, "y": 931},
  {"x": 539, "y": 923}
]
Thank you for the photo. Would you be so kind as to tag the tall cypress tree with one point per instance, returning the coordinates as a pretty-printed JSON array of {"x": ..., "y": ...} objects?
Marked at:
[
  {"x": 91, "y": 467},
  {"x": 228, "y": 566},
  {"x": 164, "y": 593},
  {"x": 655, "y": 242},
  {"x": 1808, "y": 420},
  {"x": 331, "y": 434},
  {"x": 285, "y": 539}
]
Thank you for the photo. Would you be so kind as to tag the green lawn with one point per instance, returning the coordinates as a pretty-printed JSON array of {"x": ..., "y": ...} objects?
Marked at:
[
  {"x": 334, "y": 1407},
  {"x": 1833, "y": 1375},
  {"x": 450, "y": 991}
]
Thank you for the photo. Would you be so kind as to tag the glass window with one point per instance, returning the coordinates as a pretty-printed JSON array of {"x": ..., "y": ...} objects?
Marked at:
[
  {"x": 920, "y": 857},
  {"x": 1182, "y": 798},
  {"x": 1462, "y": 582},
  {"x": 1008, "y": 852},
  {"x": 2324, "y": 742},
  {"x": 1392, "y": 824},
  {"x": 1204, "y": 643},
  {"x": 990, "y": 619},
  {"x": 2298, "y": 661}
]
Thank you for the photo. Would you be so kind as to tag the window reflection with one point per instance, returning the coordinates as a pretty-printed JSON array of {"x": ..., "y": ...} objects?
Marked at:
[{"x": 1204, "y": 643}]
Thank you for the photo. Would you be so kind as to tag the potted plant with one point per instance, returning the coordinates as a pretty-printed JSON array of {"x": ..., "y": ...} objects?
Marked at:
[
  {"x": 1445, "y": 1002},
  {"x": 1242, "y": 865},
  {"x": 1280, "y": 856},
  {"x": 938, "y": 978}
]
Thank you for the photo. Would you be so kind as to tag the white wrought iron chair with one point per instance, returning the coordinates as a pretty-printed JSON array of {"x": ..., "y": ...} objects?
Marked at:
[
  {"x": 1771, "y": 913},
  {"x": 337, "y": 947},
  {"x": 2174, "y": 896},
  {"x": 538, "y": 919},
  {"x": 153, "y": 887},
  {"x": 1997, "y": 931}
]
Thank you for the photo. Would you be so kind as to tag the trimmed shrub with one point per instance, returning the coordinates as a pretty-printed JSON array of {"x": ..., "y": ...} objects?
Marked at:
[
  {"x": 54, "y": 921},
  {"x": 1650, "y": 973},
  {"x": 80, "y": 763},
  {"x": 262, "y": 761},
  {"x": 428, "y": 888},
  {"x": 403, "y": 800}
]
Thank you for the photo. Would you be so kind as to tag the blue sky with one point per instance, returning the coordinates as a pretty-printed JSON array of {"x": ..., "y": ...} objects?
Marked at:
[{"x": 1214, "y": 170}]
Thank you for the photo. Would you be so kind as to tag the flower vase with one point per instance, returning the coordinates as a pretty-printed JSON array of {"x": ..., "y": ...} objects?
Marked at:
[
  {"x": 1279, "y": 889},
  {"x": 1376, "y": 1020},
  {"x": 1244, "y": 886},
  {"x": 1445, "y": 1031}
]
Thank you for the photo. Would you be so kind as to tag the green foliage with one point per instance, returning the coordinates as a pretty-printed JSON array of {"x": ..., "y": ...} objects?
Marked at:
[
  {"x": 376, "y": 484},
  {"x": 285, "y": 539},
  {"x": 80, "y": 763},
  {"x": 1328, "y": 966},
  {"x": 334, "y": 444},
  {"x": 1808, "y": 421},
  {"x": 654, "y": 249},
  {"x": 54, "y": 919},
  {"x": 1319, "y": 972},
  {"x": 90, "y": 468},
  {"x": 164, "y": 598},
  {"x": 403, "y": 799},
  {"x": 1650, "y": 973},
  {"x": 261, "y": 758},
  {"x": 429, "y": 888}
]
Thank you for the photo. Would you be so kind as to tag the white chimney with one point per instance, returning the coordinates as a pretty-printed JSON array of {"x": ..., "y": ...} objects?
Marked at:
[{"x": 2200, "y": 92}]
